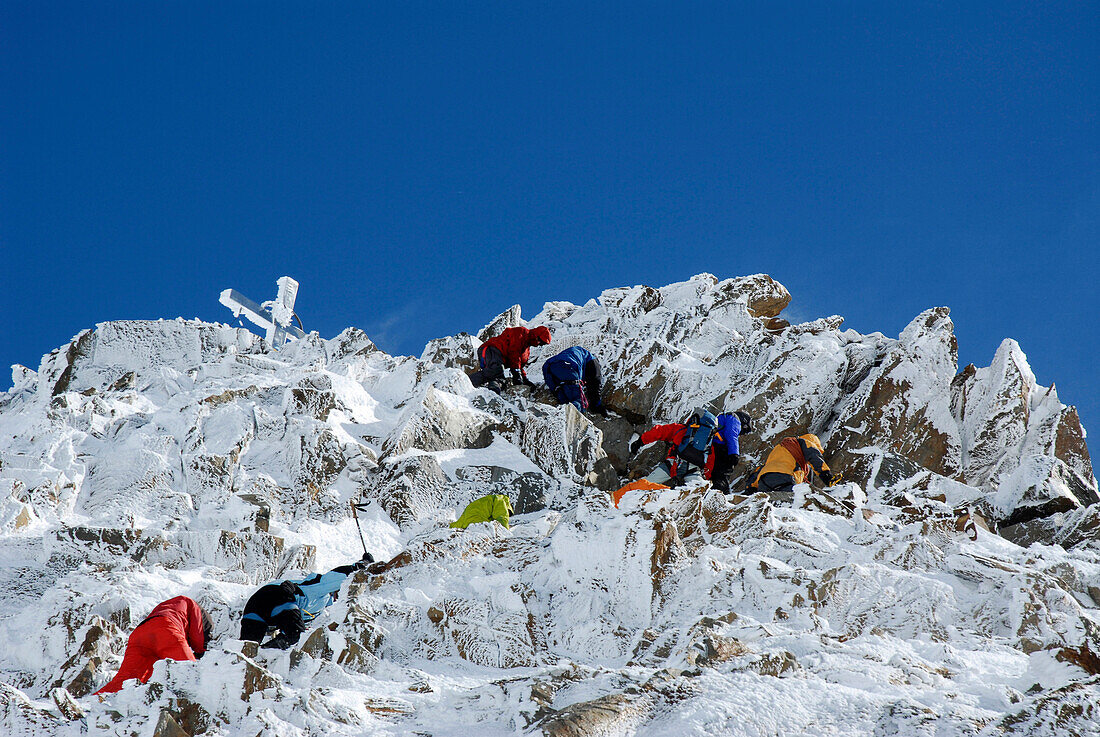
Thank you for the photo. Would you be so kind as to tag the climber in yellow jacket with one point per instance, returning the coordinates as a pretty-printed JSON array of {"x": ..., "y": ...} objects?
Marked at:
[
  {"x": 493, "y": 506},
  {"x": 792, "y": 461}
]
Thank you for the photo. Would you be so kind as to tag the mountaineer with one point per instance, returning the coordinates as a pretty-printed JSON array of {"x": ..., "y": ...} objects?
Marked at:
[
  {"x": 688, "y": 444},
  {"x": 177, "y": 629},
  {"x": 511, "y": 349},
  {"x": 792, "y": 461},
  {"x": 725, "y": 451},
  {"x": 289, "y": 606},
  {"x": 493, "y": 506},
  {"x": 574, "y": 377}
]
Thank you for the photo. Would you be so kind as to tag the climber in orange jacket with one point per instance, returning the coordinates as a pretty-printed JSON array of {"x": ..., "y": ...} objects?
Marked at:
[
  {"x": 793, "y": 461},
  {"x": 177, "y": 629},
  {"x": 511, "y": 349}
]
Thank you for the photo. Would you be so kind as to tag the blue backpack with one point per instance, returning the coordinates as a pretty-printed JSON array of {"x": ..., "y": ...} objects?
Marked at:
[{"x": 701, "y": 427}]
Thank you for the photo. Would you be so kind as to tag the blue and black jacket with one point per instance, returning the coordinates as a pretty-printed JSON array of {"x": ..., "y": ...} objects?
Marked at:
[{"x": 290, "y": 605}]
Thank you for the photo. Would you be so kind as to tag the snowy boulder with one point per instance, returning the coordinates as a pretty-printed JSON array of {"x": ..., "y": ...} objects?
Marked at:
[
  {"x": 457, "y": 351},
  {"x": 528, "y": 491},
  {"x": 96, "y": 359},
  {"x": 352, "y": 342},
  {"x": 411, "y": 489},
  {"x": 19, "y": 711},
  {"x": 792, "y": 391},
  {"x": 72, "y": 546},
  {"x": 242, "y": 557},
  {"x": 1069, "y": 529},
  {"x": 510, "y": 318},
  {"x": 317, "y": 461},
  {"x": 1039, "y": 486},
  {"x": 639, "y": 384},
  {"x": 762, "y": 295},
  {"x": 562, "y": 441},
  {"x": 314, "y": 397},
  {"x": 442, "y": 421},
  {"x": 497, "y": 633}
]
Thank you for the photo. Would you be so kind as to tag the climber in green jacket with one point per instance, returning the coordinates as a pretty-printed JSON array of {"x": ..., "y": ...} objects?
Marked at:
[{"x": 493, "y": 506}]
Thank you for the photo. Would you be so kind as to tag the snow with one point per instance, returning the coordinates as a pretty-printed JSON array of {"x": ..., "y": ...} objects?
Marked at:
[{"x": 176, "y": 457}]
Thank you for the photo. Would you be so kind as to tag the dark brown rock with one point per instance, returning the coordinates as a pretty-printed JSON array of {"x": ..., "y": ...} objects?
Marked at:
[
  {"x": 192, "y": 717},
  {"x": 1071, "y": 449},
  {"x": 763, "y": 296},
  {"x": 617, "y": 432},
  {"x": 167, "y": 726},
  {"x": 80, "y": 348}
]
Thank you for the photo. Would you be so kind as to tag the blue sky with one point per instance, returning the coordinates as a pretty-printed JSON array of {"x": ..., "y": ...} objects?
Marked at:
[{"x": 419, "y": 167}]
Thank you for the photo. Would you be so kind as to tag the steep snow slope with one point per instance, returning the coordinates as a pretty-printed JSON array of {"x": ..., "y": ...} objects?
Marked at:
[{"x": 152, "y": 459}]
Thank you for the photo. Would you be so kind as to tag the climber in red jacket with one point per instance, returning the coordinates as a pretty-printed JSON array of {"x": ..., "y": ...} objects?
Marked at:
[
  {"x": 177, "y": 629},
  {"x": 512, "y": 349}
]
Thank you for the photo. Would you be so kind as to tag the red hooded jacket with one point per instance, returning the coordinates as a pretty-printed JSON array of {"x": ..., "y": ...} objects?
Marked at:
[
  {"x": 173, "y": 630},
  {"x": 515, "y": 344},
  {"x": 674, "y": 435}
]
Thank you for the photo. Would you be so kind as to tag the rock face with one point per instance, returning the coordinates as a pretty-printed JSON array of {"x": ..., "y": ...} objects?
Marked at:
[
  {"x": 902, "y": 407},
  {"x": 150, "y": 459}
]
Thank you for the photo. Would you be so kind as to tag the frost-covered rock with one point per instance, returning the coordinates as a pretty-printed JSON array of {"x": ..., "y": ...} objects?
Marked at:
[
  {"x": 443, "y": 421},
  {"x": 903, "y": 406},
  {"x": 150, "y": 459}
]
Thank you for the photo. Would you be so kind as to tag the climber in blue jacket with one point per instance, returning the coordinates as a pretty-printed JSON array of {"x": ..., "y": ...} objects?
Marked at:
[
  {"x": 726, "y": 448},
  {"x": 289, "y": 606},
  {"x": 574, "y": 377}
]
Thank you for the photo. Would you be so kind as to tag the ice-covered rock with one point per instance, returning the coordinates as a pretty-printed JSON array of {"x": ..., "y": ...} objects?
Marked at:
[
  {"x": 903, "y": 406},
  {"x": 149, "y": 459}
]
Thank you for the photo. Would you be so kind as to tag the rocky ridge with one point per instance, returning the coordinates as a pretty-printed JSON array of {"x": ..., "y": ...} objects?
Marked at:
[{"x": 150, "y": 459}]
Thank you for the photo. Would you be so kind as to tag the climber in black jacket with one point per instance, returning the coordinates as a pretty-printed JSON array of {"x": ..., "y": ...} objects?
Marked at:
[{"x": 289, "y": 606}]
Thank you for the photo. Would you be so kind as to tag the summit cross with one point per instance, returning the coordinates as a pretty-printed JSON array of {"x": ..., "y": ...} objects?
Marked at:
[{"x": 275, "y": 316}]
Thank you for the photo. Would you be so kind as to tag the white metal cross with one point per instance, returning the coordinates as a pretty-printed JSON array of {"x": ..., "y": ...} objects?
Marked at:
[{"x": 275, "y": 316}]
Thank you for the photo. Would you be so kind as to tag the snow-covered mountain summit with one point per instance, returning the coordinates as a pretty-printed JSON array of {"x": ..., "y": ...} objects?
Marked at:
[{"x": 151, "y": 459}]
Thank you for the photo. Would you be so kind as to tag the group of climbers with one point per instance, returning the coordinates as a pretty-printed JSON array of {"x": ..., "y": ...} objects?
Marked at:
[
  {"x": 705, "y": 446},
  {"x": 180, "y": 629},
  {"x": 573, "y": 376}
]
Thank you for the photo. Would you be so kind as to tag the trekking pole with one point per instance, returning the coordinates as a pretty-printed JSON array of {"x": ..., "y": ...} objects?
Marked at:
[{"x": 355, "y": 515}]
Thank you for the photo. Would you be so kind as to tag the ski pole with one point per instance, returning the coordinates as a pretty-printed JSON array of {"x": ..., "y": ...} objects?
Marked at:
[{"x": 355, "y": 515}]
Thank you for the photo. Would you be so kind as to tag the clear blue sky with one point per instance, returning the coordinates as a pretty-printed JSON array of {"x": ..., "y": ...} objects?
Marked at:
[{"x": 419, "y": 167}]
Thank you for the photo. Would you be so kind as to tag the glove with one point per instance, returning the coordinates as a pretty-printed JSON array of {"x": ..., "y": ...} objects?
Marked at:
[
  {"x": 528, "y": 382},
  {"x": 635, "y": 446},
  {"x": 363, "y": 562},
  {"x": 827, "y": 477},
  {"x": 722, "y": 484},
  {"x": 279, "y": 641}
]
